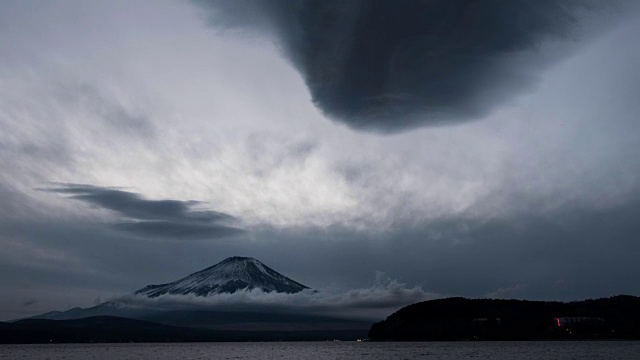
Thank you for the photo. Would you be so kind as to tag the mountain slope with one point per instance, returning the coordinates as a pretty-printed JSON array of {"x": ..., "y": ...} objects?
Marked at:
[{"x": 231, "y": 275}]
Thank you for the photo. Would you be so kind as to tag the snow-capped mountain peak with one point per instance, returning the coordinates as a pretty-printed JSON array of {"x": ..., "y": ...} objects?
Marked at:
[{"x": 231, "y": 275}]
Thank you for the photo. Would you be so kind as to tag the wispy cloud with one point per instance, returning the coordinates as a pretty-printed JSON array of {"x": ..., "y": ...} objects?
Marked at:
[{"x": 506, "y": 292}]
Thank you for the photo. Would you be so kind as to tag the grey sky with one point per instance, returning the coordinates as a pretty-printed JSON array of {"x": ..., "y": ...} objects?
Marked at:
[{"x": 200, "y": 128}]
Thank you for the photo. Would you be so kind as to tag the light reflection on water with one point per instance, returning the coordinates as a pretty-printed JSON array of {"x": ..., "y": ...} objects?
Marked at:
[{"x": 330, "y": 350}]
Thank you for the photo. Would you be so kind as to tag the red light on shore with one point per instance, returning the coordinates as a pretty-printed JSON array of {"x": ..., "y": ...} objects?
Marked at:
[{"x": 558, "y": 322}]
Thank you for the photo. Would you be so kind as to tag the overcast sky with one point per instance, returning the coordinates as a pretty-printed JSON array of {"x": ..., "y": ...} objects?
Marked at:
[{"x": 462, "y": 148}]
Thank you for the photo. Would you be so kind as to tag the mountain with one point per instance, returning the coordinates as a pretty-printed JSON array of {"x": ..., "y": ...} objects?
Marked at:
[
  {"x": 231, "y": 275},
  {"x": 616, "y": 317},
  {"x": 245, "y": 322}
]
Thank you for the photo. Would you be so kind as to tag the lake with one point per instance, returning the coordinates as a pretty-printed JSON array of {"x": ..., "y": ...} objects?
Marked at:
[{"x": 330, "y": 350}]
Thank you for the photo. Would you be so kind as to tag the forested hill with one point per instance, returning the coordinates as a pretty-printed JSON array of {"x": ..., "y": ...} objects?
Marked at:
[{"x": 616, "y": 317}]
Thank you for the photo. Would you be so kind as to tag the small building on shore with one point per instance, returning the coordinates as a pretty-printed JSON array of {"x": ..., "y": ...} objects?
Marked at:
[{"x": 567, "y": 322}]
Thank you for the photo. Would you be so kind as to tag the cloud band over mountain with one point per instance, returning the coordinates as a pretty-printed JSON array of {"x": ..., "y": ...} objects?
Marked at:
[{"x": 384, "y": 296}]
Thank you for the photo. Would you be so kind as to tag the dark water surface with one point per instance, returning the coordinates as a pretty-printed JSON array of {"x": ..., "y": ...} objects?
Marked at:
[{"x": 330, "y": 350}]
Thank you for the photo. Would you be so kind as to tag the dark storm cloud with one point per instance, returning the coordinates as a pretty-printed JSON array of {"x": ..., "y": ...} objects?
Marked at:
[
  {"x": 391, "y": 65},
  {"x": 155, "y": 218}
]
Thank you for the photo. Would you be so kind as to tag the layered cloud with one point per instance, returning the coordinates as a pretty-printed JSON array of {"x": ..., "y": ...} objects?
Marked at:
[
  {"x": 376, "y": 64},
  {"x": 173, "y": 219}
]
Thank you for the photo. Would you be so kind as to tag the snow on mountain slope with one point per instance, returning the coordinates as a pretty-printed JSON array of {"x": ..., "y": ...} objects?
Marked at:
[{"x": 231, "y": 275}]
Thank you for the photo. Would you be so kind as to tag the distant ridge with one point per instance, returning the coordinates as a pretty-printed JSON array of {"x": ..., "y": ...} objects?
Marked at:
[
  {"x": 94, "y": 329},
  {"x": 110, "y": 329},
  {"x": 228, "y": 276}
]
